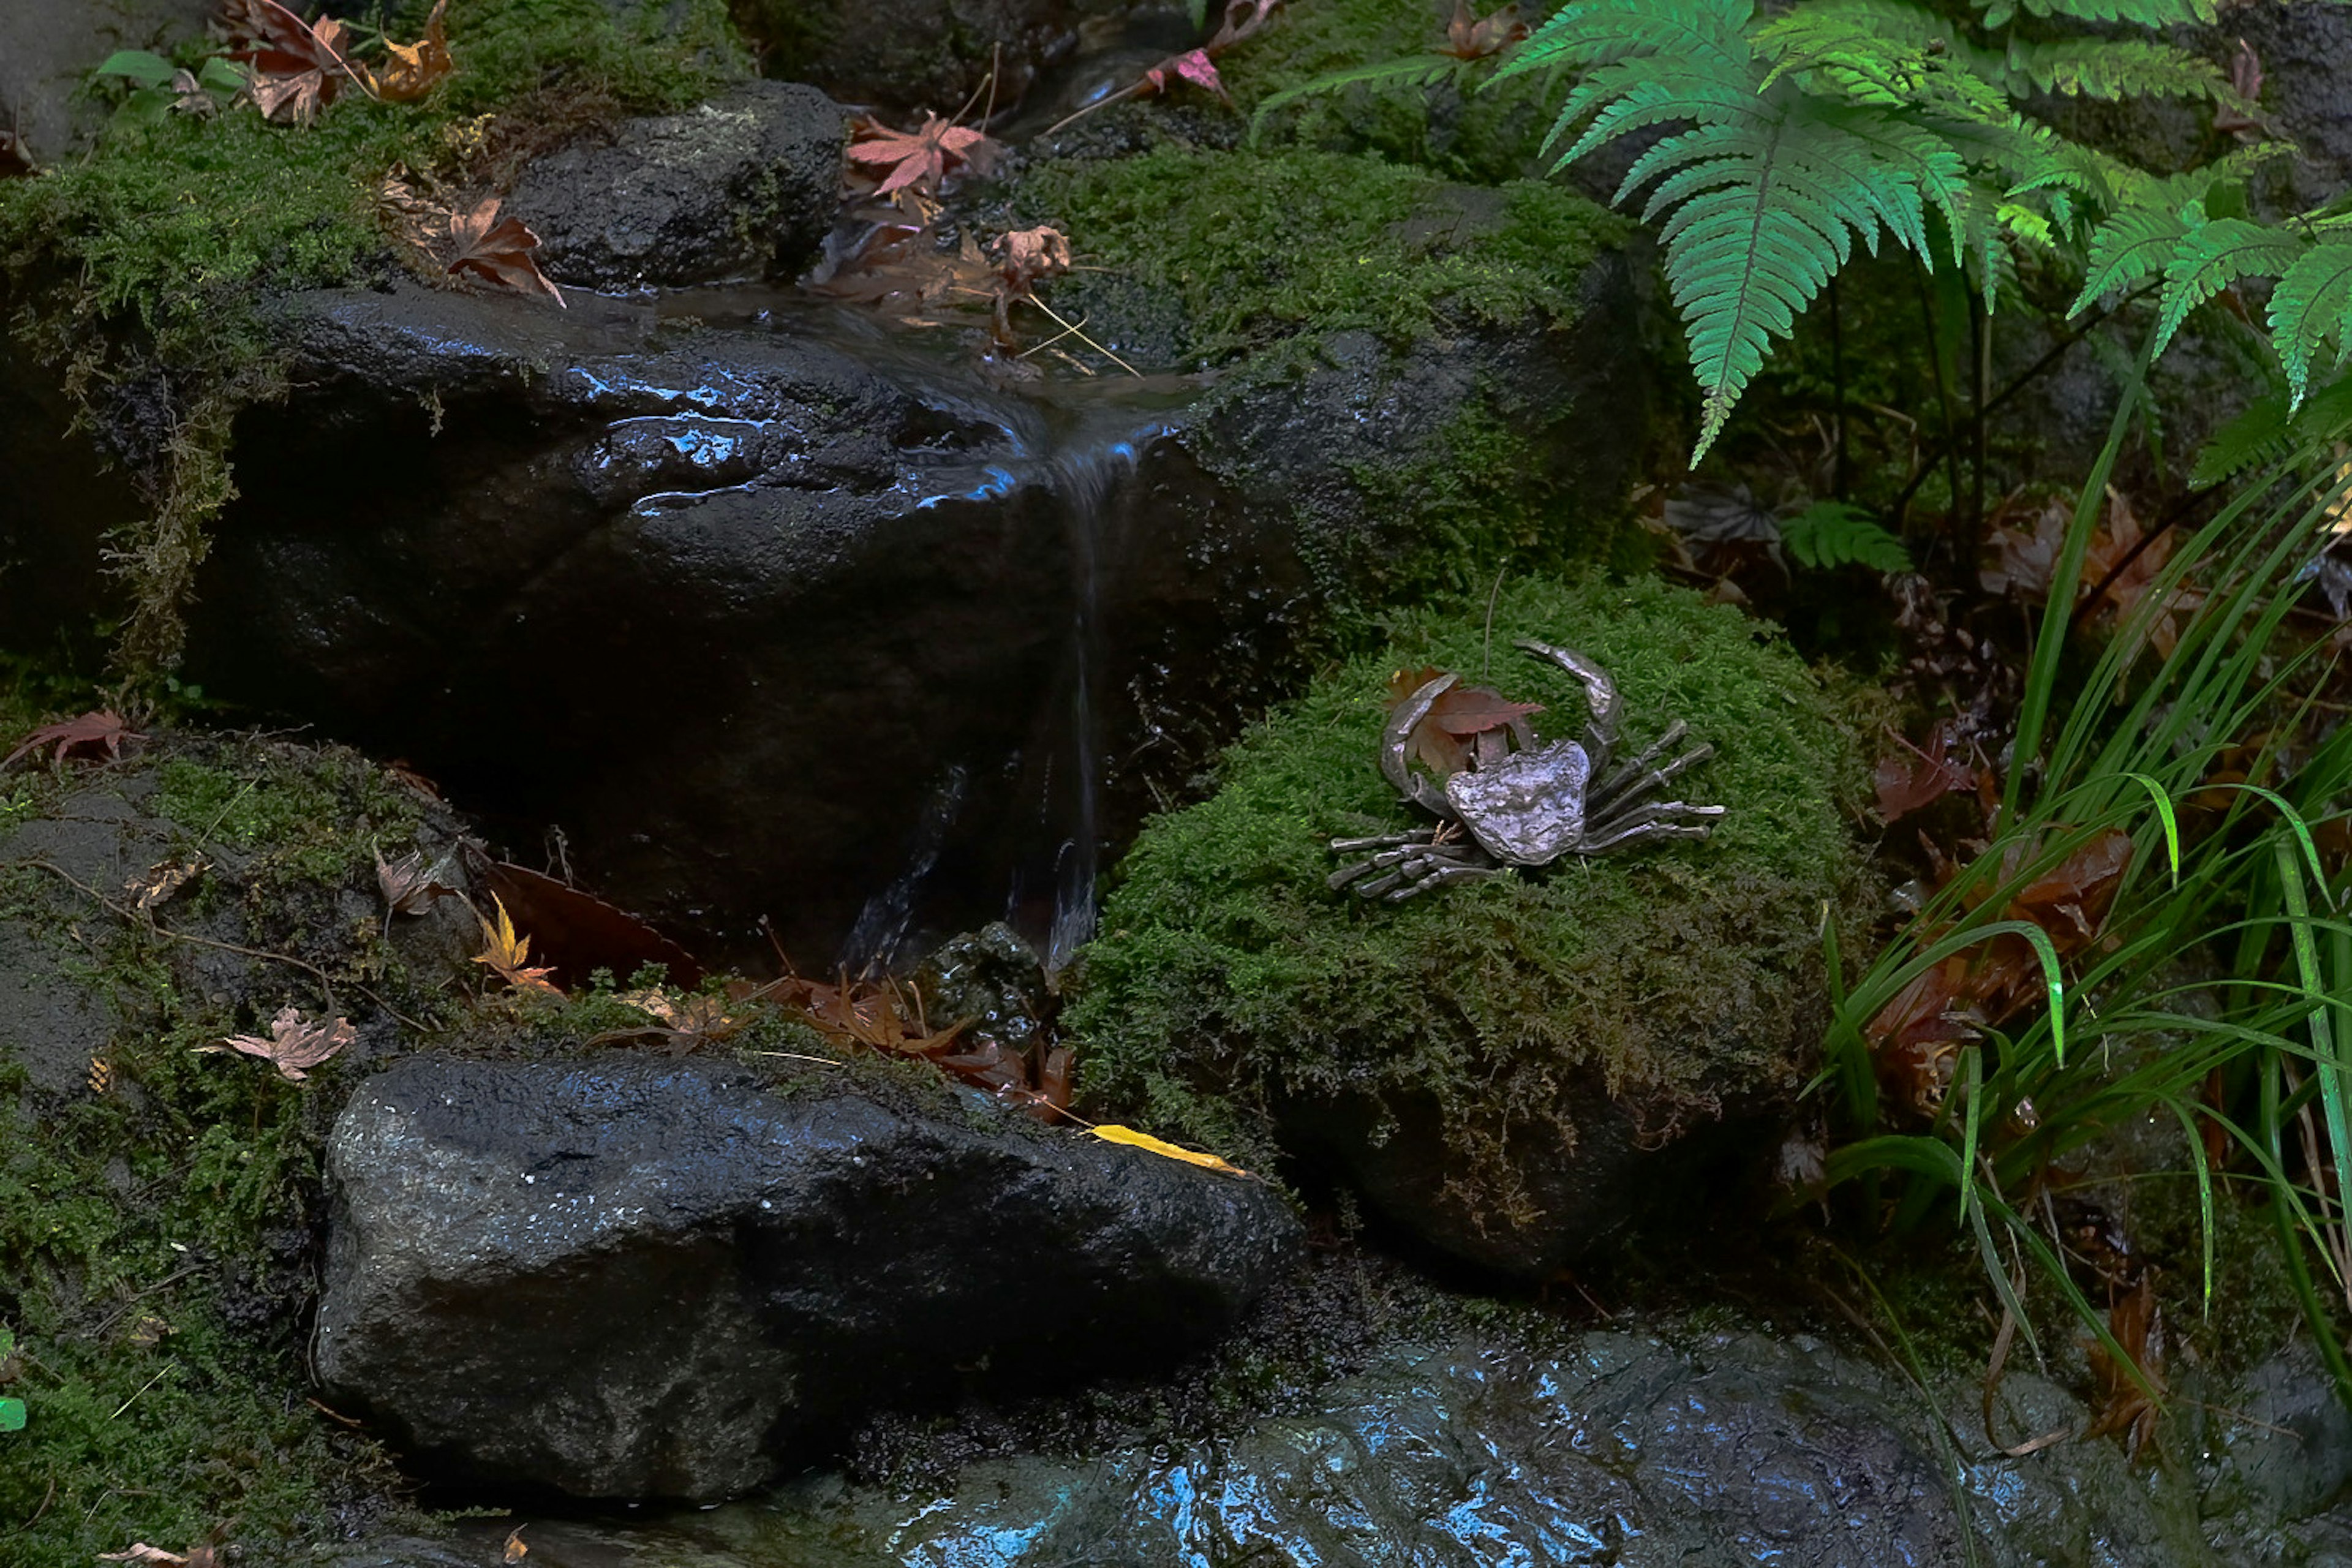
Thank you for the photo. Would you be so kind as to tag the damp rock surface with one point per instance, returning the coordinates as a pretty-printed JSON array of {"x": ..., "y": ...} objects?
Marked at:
[
  {"x": 742, "y": 186},
  {"x": 629, "y": 1279}
]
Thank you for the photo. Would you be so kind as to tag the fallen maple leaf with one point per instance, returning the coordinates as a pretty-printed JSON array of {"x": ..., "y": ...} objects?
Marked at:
[
  {"x": 508, "y": 954},
  {"x": 516, "y": 1548},
  {"x": 1194, "y": 66},
  {"x": 139, "y": 1552},
  {"x": 415, "y": 68},
  {"x": 298, "y": 68},
  {"x": 1111, "y": 1132},
  {"x": 163, "y": 880},
  {"x": 1916, "y": 776},
  {"x": 1460, "y": 713},
  {"x": 1473, "y": 39},
  {"x": 497, "y": 250},
  {"x": 408, "y": 886},
  {"x": 87, "y": 734},
  {"x": 14, "y": 157},
  {"x": 295, "y": 1043},
  {"x": 918, "y": 160}
]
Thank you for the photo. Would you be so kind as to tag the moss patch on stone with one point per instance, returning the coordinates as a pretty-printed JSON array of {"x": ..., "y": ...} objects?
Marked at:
[
  {"x": 144, "y": 263},
  {"x": 1263, "y": 246},
  {"x": 1229, "y": 976}
]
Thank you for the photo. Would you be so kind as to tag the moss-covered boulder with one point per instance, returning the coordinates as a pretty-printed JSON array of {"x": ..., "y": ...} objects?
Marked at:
[{"x": 1497, "y": 1066}]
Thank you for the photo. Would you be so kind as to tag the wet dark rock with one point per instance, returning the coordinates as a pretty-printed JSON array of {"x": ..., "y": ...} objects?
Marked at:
[
  {"x": 906, "y": 56},
  {"x": 742, "y": 186},
  {"x": 625, "y": 1277},
  {"x": 791, "y": 605}
]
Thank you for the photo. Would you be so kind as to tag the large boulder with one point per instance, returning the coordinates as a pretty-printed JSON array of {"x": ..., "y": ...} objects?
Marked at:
[
  {"x": 779, "y": 615},
  {"x": 910, "y": 55},
  {"x": 1511, "y": 1071},
  {"x": 742, "y": 186},
  {"x": 631, "y": 1277}
]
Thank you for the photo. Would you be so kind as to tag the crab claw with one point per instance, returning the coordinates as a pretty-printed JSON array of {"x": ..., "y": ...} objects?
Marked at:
[{"x": 1398, "y": 739}]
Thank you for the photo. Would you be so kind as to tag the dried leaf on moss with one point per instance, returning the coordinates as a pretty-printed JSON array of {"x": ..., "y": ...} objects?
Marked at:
[
  {"x": 298, "y": 68},
  {"x": 295, "y": 1043},
  {"x": 1914, "y": 776},
  {"x": 414, "y": 69}
]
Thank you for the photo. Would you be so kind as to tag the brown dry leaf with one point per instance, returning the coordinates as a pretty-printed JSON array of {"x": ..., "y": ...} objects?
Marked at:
[
  {"x": 163, "y": 880},
  {"x": 2134, "y": 558},
  {"x": 516, "y": 1548},
  {"x": 408, "y": 886},
  {"x": 685, "y": 1019},
  {"x": 498, "y": 251},
  {"x": 1194, "y": 66},
  {"x": 916, "y": 159},
  {"x": 139, "y": 1552},
  {"x": 100, "y": 730},
  {"x": 413, "y": 69},
  {"x": 1475, "y": 38},
  {"x": 1462, "y": 713},
  {"x": 1917, "y": 775},
  {"x": 508, "y": 954},
  {"x": 298, "y": 68},
  {"x": 1111, "y": 1132},
  {"x": 415, "y": 220},
  {"x": 2138, "y": 1325},
  {"x": 14, "y": 157},
  {"x": 1030, "y": 255},
  {"x": 2024, "y": 559},
  {"x": 295, "y": 1043},
  {"x": 102, "y": 1074},
  {"x": 2246, "y": 79}
]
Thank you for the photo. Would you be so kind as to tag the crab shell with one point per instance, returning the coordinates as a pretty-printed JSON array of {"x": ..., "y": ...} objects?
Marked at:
[{"x": 1528, "y": 808}]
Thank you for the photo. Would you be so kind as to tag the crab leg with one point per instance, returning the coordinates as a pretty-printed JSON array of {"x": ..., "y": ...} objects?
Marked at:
[
  {"x": 1625, "y": 772},
  {"x": 1655, "y": 778},
  {"x": 1398, "y": 737},
  {"x": 1656, "y": 821},
  {"x": 1600, "y": 735}
]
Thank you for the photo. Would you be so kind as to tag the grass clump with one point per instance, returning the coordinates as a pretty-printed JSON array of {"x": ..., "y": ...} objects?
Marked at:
[
  {"x": 1260, "y": 246},
  {"x": 1231, "y": 979},
  {"x": 139, "y": 269}
]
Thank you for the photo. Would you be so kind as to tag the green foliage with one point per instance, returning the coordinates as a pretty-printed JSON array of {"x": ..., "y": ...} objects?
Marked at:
[
  {"x": 1229, "y": 975},
  {"x": 2239, "y": 891},
  {"x": 1834, "y": 533},
  {"x": 1263, "y": 246},
  {"x": 1790, "y": 139}
]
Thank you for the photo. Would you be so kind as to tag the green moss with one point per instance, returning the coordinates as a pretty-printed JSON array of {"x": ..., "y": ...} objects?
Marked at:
[
  {"x": 307, "y": 815},
  {"x": 1259, "y": 246},
  {"x": 1460, "y": 127},
  {"x": 152, "y": 254},
  {"x": 1229, "y": 975}
]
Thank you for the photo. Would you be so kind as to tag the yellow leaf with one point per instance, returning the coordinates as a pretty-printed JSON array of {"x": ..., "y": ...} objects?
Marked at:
[
  {"x": 1111, "y": 1132},
  {"x": 508, "y": 954}
]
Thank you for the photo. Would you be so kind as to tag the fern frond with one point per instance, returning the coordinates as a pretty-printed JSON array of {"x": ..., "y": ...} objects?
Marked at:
[
  {"x": 2116, "y": 69},
  {"x": 1835, "y": 534},
  {"x": 1587, "y": 33},
  {"x": 2134, "y": 244},
  {"x": 2141, "y": 13},
  {"x": 2213, "y": 256},
  {"x": 2270, "y": 428},
  {"x": 2312, "y": 303},
  {"x": 1414, "y": 70}
]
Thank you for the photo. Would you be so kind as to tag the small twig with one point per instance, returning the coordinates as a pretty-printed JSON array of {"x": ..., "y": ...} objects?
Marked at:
[
  {"x": 326, "y": 985},
  {"x": 1486, "y": 659},
  {"x": 1083, "y": 337},
  {"x": 143, "y": 1388},
  {"x": 1049, "y": 343}
]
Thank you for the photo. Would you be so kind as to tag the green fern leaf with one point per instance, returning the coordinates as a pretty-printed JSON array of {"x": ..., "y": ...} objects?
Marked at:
[
  {"x": 2116, "y": 69},
  {"x": 2270, "y": 428},
  {"x": 2312, "y": 303},
  {"x": 2135, "y": 243},
  {"x": 2210, "y": 258},
  {"x": 1703, "y": 33},
  {"x": 1834, "y": 533},
  {"x": 1414, "y": 70},
  {"x": 2143, "y": 12}
]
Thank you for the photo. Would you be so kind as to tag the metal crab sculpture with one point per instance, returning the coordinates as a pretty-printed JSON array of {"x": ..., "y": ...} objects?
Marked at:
[{"x": 1527, "y": 806}]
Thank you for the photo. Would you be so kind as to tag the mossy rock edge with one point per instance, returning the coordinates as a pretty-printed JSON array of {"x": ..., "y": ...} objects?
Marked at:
[{"x": 1495, "y": 1065}]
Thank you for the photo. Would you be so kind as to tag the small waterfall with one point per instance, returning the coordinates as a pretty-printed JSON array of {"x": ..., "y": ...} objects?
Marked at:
[
  {"x": 882, "y": 925},
  {"x": 1090, "y": 483}
]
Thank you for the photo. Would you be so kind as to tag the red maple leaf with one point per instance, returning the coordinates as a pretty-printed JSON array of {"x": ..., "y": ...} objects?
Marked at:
[
  {"x": 918, "y": 160},
  {"x": 298, "y": 68},
  {"x": 101, "y": 730},
  {"x": 1473, "y": 39}
]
